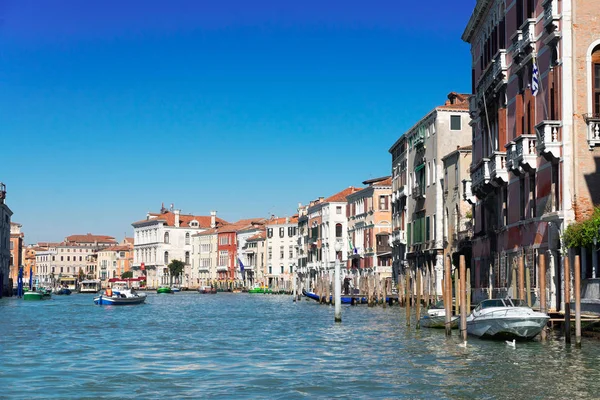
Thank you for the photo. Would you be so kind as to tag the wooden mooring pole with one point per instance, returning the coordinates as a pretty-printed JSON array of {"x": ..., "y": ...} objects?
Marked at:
[
  {"x": 448, "y": 296},
  {"x": 528, "y": 286},
  {"x": 522, "y": 277},
  {"x": 577, "y": 302},
  {"x": 567, "y": 268},
  {"x": 418, "y": 310},
  {"x": 463, "y": 300},
  {"x": 407, "y": 300},
  {"x": 542, "y": 288}
]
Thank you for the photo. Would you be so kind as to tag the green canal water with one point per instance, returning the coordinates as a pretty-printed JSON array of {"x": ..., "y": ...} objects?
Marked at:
[{"x": 188, "y": 345}]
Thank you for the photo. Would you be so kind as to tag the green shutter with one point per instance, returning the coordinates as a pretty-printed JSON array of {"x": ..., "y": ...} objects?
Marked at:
[
  {"x": 408, "y": 234},
  {"x": 419, "y": 167}
]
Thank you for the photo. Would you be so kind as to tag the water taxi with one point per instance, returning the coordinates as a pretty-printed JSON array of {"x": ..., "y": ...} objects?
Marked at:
[
  {"x": 120, "y": 296},
  {"x": 90, "y": 286}
]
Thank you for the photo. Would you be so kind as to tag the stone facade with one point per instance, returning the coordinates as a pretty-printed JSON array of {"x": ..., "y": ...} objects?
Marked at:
[
  {"x": 282, "y": 257},
  {"x": 5, "y": 216}
]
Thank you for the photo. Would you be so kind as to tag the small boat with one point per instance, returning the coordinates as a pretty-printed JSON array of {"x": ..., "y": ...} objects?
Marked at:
[
  {"x": 207, "y": 290},
  {"x": 164, "y": 289},
  {"x": 505, "y": 319},
  {"x": 436, "y": 317},
  {"x": 40, "y": 294},
  {"x": 175, "y": 289},
  {"x": 260, "y": 289},
  {"x": 120, "y": 297},
  {"x": 62, "y": 291},
  {"x": 345, "y": 299}
]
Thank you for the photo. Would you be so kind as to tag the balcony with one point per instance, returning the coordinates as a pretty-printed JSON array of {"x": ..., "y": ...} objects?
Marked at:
[
  {"x": 399, "y": 236},
  {"x": 468, "y": 195},
  {"x": 480, "y": 176},
  {"x": 401, "y": 192},
  {"x": 418, "y": 192},
  {"x": 524, "y": 38},
  {"x": 593, "y": 135},
  {"x": 551, "y": 15},
  {"x": 204, "y": 269},
  {"x": 222, "y": 268},
  {"x": 498, "y": 171},
  {"x": 419, "y": 141},
  {"x": 549, "y": 139},
  {"x": 522, "y": 154},
  {"x": 493, "y": 76}
]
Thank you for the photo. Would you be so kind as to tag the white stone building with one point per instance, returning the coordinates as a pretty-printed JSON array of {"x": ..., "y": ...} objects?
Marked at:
[
  {"x": 282, "y": 258},
  {"x": 166, "y": 236}
]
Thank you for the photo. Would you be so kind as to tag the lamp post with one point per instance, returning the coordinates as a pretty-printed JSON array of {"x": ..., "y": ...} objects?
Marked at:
[
  {"x": 594, "y": 258},
  {"x": 337, "y": 284}
]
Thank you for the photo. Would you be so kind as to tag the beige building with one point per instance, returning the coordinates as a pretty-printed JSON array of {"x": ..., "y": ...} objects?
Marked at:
[
  {"x": 113, "y": 261},
  {"x": 369, "y": 228},
  {"x": 255, "y": 254},
  {"x": 204, "y": 257},
  {"x": 458, "y": 212},
  {"x": 282, "y": 259}
]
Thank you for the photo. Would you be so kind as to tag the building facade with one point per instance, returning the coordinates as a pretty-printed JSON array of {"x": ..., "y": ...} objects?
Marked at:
[
  {"x": 166, "y": 236},
  {"x": 5, "y": 216},
  {"x": 247, "y": 252},
  {"x": 399, "y": 205},
  {"x": 255, "y": 255},
  {"x": 114, "y": 261},
  {"x": 16, "y": 251},
  {"x": 427, "y": 142},
  {"x": 369, "y": 229},
  {"x": 204, "y": 259},
  {"x": 536, "y": 130},
  {"x": 282, "y": 258},
  {"x": 458, "y": 212}
]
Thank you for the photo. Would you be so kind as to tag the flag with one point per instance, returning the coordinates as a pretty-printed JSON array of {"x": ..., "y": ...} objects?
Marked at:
[
  {"x": 535, "y": 78},
  {"x": 241, "y": 265},
  {"x": 30, "y": 277},
  {"x": 350, "y": 243}
]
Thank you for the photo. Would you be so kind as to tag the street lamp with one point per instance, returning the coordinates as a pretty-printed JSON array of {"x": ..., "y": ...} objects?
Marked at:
[{"x": 338, "y": 284}]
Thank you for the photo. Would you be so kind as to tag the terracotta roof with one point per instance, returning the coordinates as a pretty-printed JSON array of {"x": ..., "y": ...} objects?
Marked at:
[
  {"x": 386, "y": 182},
  {"x": 89, "y": 238},
  {"x": 116, "y": 248},
  {"x": 340, "y": 197},
  {"x": 239, "y": 225},
  {"x": 210, "y": 231},
  {"x": 257, "y": 237},
  {"x": 128, "y": 240},
  {"x": 282, "y": 221},
  {"x": 184, "y": 219}
]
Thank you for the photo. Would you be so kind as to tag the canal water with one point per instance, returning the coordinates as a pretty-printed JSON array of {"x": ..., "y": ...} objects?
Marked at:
[{"x": 188, "y": 345}]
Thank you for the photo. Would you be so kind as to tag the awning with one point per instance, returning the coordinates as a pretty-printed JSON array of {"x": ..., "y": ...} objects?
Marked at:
[{"x": 419, "y": 167}]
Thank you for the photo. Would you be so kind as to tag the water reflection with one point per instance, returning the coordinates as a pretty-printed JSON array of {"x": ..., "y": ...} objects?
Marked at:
[{"x": 256, "y": 346}]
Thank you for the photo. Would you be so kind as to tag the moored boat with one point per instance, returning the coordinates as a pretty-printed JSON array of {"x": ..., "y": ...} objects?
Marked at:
[
  {"x": 260, "y": 289},
  {"x": 345, "y": 299},
  {"x": 207, "y": 290},
  {"x": 436, "y": 317},
  {"x": 164, "y": 289},
  {"x": 89, "y": 286},
  {"x": 62, "y": 291},
  {"x": 175, "y": 289},
  {"x": 505, "y": 319},
  {"x": 120, "y": 297},
  {"x": 39, "y": 294}
]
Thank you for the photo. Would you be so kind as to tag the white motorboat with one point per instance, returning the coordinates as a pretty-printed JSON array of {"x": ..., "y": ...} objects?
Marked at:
[
  {"x": 120, "y": 297},
  {"x": 436, "y": 317},
  {"x": 505, "y": 319}
]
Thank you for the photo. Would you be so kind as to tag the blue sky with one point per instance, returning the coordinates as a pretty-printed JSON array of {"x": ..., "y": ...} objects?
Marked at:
[{"x": 246, "y": 107}]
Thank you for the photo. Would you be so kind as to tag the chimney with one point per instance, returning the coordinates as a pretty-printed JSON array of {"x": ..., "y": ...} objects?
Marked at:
[
  {"x": 176, "y": 212},
  {"x": 287, "y": 220},
  {"x": 213, "y": 219}
]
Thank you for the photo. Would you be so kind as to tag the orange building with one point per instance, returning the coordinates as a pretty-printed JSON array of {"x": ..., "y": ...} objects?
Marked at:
[{"x": 16, "y": 251}]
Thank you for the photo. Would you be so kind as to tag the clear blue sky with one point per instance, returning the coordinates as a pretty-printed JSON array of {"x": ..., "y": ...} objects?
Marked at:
[{"x": 110, "y": 107}]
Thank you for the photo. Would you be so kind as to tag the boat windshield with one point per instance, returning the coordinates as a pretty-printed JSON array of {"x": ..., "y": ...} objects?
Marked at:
[
  {"x": 515, "y": 303},
  {"x": 491, "y": 303}
]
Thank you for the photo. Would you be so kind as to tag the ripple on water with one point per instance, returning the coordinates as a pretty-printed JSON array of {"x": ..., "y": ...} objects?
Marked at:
[{"x": 250, "y": 346}]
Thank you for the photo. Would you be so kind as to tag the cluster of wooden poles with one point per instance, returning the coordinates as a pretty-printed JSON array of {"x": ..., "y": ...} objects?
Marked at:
[{"x": 377, "y": 290}]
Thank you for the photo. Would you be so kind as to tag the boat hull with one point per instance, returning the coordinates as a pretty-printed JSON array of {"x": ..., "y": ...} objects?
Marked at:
[
  {"x": 119, "y": 301},
  {"x": 345, "y": 299},
  {"x": 438, "y": 322},
  {"x": 519, "y": 328},
  {"x": 34, "y": 296},
  {"x": 164, "y": 290}
]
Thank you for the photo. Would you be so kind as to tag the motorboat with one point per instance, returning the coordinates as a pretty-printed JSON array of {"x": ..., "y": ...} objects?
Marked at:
[
  {"x": 260, "y": 289},
  {"x": 89, "y": 286},
  {"x": 505, "y": 319},
  {"x": 436, "y": 317},
  {"x": 344, "y": 298},
  {"x": 62, "y": 291},
  {"x": 207, "y": 290},
  {"x": 164, "y": 289},
  {"x": 120, "y": 297},
  {"x": 38, "y": 294},
  {"x": 175, "y": 289}
]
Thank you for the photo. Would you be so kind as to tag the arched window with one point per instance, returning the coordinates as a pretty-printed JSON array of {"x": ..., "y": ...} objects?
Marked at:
[
  {"x": 338, "y": 230},
  {"x": 596, "y": 81},
  {"x": 187, "y": 238},
  {"x": 166, "y": 257},
  {"x": 187, "y": 257},
  {"x": 166, "y": 237}
]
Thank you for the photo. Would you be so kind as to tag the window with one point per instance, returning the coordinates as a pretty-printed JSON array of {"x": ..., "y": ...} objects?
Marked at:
[
  {"x": 270, "y": 232},
  {"x": 408, "y": 234},
  {"x": 519, "y": 13},
  {"x": 281, "y": 255},
  {"x": 555, "y": 187},
  {"x": 270, "y": 253},
  {"x": 532, "y": 201},
  {"x": 166, "y": 237},
  {"x": 166, "y": 259},
  {"x": 187, "y": 258},
  {"x": 427, "y": 229},
  {"x": 81, "y": 258},
  {"x": 224, "y": 240},
  {"x": 53, "y": 258},
  {"x": 282, "y": 269},
  {"x": 338, "y": 230},
  {"x": 428, "y": 173},
  {"x": 291, "y": 252},
  {"x": 433, "y": 168},
  {"x": 68, "y": 258},
  {"x": 522, "y": 197},
  {"x": 455, "y": 123},
  {"x": 596, "y": 79},
  {"x": 187, "y": 238},
  {"x": 270, "y": 270},
  {"x": 223, "y": 257},
  {"x": 338, "y": 210},
  {"x": 281, "y": 232},
  {"x": 434, "y": 227}
]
